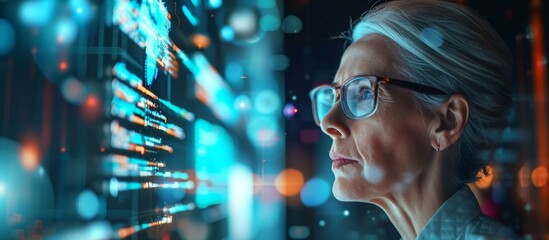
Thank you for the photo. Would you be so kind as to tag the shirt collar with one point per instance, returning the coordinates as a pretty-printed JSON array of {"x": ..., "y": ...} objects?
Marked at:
[{"x": 453, "y": 216}]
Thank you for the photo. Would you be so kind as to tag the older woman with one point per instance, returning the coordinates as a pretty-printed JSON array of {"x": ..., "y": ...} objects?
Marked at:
[{"x": 417, "y": 103}]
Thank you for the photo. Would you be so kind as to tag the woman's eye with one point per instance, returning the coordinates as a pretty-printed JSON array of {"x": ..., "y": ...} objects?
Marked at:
[{"x": 365, "y": 93}]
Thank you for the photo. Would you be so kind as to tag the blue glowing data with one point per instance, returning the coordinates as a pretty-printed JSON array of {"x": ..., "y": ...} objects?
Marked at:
[
  {"x": 213, "y": 91},
  {"x": 148, "y": 25},
  {"x": 214, "y": 154}
]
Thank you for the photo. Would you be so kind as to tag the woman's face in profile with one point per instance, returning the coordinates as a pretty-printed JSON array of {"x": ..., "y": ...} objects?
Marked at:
[{"x": 389, "y": 149}]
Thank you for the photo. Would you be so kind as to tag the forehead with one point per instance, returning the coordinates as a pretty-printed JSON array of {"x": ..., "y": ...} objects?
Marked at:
[{"x": 370, "y": 55}]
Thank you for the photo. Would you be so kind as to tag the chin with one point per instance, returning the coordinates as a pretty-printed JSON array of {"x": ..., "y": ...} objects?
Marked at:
[{"x": 341, "y": 193}]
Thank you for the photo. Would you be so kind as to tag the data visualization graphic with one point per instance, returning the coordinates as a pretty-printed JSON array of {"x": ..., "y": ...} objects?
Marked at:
[{"x": 144, "y": 128}]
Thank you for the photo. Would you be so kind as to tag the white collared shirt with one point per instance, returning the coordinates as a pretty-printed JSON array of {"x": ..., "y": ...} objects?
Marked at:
[{"x": 460, "y": 217}]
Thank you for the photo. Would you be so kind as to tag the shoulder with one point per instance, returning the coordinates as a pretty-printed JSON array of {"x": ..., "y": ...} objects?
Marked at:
[{"x": 485, "y": 227}]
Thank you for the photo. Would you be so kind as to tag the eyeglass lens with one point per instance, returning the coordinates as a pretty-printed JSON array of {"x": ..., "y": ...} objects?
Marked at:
[
  {"x": 358, "y": 99},
  {"x": 324, "y": 100}
]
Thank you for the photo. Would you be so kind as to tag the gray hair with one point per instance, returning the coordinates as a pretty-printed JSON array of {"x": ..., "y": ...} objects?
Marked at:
[{"x": 449, "y": 47}]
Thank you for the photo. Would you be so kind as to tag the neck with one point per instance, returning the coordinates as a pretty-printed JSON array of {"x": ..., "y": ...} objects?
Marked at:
[{"x": 411, "y": 208}]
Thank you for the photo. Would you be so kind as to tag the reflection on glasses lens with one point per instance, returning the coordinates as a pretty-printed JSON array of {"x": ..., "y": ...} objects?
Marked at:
[
  {"x": 324, "y": 99},
  {"x": 359, "y": 99}
]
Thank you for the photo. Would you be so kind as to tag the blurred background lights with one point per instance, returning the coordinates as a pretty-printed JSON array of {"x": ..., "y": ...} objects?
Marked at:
[
  {"x": 7, "y": 41},
  {"x": 91, "y": 107},
  {"x": 170, "y": 196},
  {"x": 315, "y": 192},
  {"x": 289, "y": 182},
  {"x": 227, "y": 33},
  {"x": 240, "y": 202},
  {"x": 485, "y": 181},
  {"x": 82, "y": 10},
  {"x": 2, "y": 188},
  {"x": 278, "y": 62},
  {"x": 292, "y": 24},
  {"x": 233, "y": 73},
  {"x": 215, "y": 4},
  {"x": 113, "y": 187},
  {"x": 66, "y": 31},
  {"x": 242, "y": 102},
  {"x": 63, "y": 66},
  {"x": 539, "y": 176},
  {"x": 266, "y": 102},
  {"x": 30, "y": 156},
  {"x": 289, "y": 110},
  {"x": 346, "y": 213},
  {"x": 322, "y": 223},
  {"x": 266, "y": 4},
  {"x": 431, "y": 37},
  {"x": 524, "y": 176},
  {"x": 243, "y": 21},
  {"x": 87, "y": 204},
  {"x": 36, "y": 12},
  {"x": 262, "y": 131},
  {"x": 201, "y": 41},
  {"x": 269, "y": 22},
  {"x": 299, "y": 232},
  {"x": 73, "y": 90}
]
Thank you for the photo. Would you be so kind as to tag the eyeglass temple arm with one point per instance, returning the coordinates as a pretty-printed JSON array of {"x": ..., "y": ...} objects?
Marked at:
[{"x": 414, "y": 86}]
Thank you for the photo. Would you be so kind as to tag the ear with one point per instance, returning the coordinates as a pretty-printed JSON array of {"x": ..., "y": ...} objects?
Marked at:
[{"x": 450, "y": 121}]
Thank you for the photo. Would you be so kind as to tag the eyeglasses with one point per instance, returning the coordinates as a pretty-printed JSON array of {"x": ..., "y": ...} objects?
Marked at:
[{"x": 358, "y": 96}]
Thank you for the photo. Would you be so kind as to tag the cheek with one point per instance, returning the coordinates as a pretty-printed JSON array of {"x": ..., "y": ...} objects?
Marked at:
[{"x": 393, "y": 149}]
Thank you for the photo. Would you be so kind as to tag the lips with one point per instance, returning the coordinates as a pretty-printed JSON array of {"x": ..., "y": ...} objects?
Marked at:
[
  {"x": 340, "y": 160},
  {"x": 337, "y": 163}
]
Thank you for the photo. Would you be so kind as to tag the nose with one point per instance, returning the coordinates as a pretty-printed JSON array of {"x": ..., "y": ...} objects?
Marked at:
[{"x": 334, "y": 123}]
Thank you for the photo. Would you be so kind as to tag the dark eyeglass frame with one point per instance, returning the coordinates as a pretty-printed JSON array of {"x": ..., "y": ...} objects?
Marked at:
[{"x": 417, "y": 87}]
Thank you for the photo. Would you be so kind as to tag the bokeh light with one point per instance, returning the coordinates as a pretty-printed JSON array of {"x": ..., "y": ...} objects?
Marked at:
[
  {"x": 292, "y": 24},
  {"x": 30, "y": 155},
  {"x": 315, "y": 192},
  {"x": 170, "y": 196},
  {"x": 66, "y": 31},
  {"x": 73, "y": 90},
  {"x": 242, "y": 102},
  {"x": 431, "y": 37},
  {"x": 215, "y": 4},
  {"x": 299, "y": 232},
  {"x": 374, "y": 174},
  {"x": 539, "y": 176},
  {"x": 7, "y": 41},
  {"x": 244, "y": 22},
  {"x": 485, "y": 181},
  {"x": 82, "y": 10},
  {"x": 91, "y": 107},
  {"x": 289, "y": 182},
  {"x": 2, "y": 188},
  {"x": 113, "y": 187},
  {"x": 227, "y": 33},
  {"x": 289, "y": 110},
  {"x": 63, "y": 66},
  {"x": 233, "y": 74},
  {"x": 36, "y": 12},
  {"x": 322, "y": 223},
  {"x": 267, "y": 102},
  {"x": 524, "y": 176},
  {"x": 262, "y": 131},
  {"x": 87, "y": 204},
  {"x": 201, "y": 41}
]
